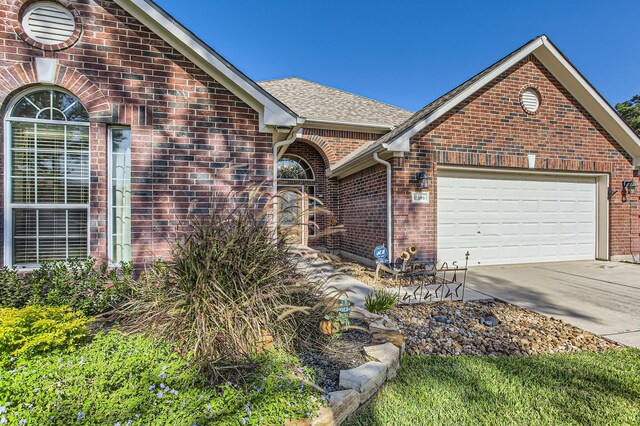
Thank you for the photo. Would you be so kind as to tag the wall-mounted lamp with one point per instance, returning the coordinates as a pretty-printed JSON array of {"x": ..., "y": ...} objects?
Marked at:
[
  {"x": 423, "y": 178},
  {"x": 629, "y": 187}
]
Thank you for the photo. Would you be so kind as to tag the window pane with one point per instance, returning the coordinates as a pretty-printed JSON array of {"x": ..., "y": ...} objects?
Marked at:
[
  {"x": 25, "y": 109},
  {"x": 50, "y": 136},
  {"x": 50, "y": 164},
  {"x": 294, "y": 169},
  {"x": 78, "y": 138},
  {"x": 121, "y": 194},
  {"x": 23, "y": 136},
  {"x": 23, "y": 163},
  {"x": 23, "y": 190},
  {"x": 51, "y": 191}
]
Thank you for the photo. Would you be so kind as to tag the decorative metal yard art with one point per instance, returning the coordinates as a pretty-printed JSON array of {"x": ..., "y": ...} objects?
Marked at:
[{"x": 426, "y": 281}]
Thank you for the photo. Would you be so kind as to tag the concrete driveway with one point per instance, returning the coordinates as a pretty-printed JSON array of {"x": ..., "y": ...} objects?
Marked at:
[{"x": 600, "y": 297}]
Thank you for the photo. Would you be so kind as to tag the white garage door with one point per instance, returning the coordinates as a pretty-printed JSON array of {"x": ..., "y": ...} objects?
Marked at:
[{"x": 503, "y": 218}]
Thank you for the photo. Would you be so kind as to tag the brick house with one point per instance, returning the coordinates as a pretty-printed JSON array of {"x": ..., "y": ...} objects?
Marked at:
[{"x": 118, "y": 123}]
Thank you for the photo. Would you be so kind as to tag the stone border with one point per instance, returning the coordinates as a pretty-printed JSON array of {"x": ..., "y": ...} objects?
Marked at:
[{"x": 362, "y": 383}]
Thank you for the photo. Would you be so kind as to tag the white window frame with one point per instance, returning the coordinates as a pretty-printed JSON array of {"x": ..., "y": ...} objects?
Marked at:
[
  {"x": 8, "y": 205},
  {"x": 110, "y": 228}
]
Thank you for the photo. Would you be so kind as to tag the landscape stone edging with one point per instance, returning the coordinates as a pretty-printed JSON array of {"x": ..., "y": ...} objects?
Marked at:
[{"x": 360, "y": 383}]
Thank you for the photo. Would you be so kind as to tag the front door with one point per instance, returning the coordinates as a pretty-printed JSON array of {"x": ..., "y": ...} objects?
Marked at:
[{"x": 292, "y": 213}]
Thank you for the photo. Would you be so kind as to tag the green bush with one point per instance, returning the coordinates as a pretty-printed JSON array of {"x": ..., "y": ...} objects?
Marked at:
[
  {"x": 380, "y": 301},
  {"x": 229, "y": 284},
  {"x": 120, "y": 379},
  {"x": 37, "y": 330},
  {"x": 77, "y": 283}
]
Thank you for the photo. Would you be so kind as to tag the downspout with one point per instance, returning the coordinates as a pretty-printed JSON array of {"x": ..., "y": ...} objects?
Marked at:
[
  {"x": 276, "y": 149},
  {"x": 389, "y": 206}
]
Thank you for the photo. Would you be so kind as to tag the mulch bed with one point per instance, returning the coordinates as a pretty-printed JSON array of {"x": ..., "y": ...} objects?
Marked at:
[
  {"x": 339, "y": 353},
  {"x": 454, "y": 328}
]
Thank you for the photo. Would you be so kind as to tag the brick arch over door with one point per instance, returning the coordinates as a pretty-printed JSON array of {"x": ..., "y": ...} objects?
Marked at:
[
  {"x": 16, "y": 78},
  {"x": 322, "y": 146}
]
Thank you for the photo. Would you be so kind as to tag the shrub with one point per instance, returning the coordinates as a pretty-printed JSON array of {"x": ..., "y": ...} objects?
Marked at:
[
  {"x": 229, "y": 283},
  {"x": 121, "y": 378},
  {"x": 380, "y": 301},
  {"x": 77, "y": 283},
  {"x": 36, "y": 330}
]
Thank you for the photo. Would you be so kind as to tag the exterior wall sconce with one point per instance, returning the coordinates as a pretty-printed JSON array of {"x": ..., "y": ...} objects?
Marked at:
[
  {"x": 423, "y": 178},
  {"x": 629, "y": 187}
]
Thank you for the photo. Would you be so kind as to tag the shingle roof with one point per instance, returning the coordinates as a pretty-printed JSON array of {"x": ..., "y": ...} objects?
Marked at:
[
  {"x": 318, "y": 102},
  {"x": 427, "y": 110}
]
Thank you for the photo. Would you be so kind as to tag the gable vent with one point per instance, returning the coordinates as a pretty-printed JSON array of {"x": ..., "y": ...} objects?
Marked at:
[
  {"x": 48, "y": 23},
  {"x": 530, "y": 100}
]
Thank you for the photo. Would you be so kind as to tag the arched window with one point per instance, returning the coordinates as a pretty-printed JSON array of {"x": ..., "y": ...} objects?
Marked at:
[
  {"x": 292, "y": 167},
  {"x": 47, "y": 178}
]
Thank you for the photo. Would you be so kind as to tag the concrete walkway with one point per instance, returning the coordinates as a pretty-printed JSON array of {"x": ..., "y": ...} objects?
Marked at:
[
  {"x": 600, "y": 297},
  {"x": 355, "y": 290}
]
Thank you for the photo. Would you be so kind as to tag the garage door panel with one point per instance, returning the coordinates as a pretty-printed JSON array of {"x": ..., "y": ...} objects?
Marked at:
[{"x": 511, "y": 218}]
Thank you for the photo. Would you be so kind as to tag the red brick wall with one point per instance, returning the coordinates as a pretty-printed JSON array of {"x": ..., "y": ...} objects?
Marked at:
[
  {"x": 491, "y": 129},
  {"x": 363, "y": 211},
  {"x": 192, "y": 138}
]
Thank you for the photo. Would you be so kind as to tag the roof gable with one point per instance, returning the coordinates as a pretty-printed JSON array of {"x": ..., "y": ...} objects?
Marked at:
[
  {"x": 541, "y": 47},
  {"x": 273, "y": 113}
]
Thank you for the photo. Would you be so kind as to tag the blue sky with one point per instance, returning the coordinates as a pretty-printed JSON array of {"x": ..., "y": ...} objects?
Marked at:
[{"x": 407, "y": 53}]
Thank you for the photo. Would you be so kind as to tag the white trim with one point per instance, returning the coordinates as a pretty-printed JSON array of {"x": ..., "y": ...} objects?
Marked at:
[
  {"x": 602, "y": 200},
  {"x": 271, "y": 112}
]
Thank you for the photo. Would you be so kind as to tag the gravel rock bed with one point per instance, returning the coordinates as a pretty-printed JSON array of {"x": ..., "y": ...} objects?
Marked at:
[
  {"x": 340, "y": 353},
  {"x": 455, "y": 328}
]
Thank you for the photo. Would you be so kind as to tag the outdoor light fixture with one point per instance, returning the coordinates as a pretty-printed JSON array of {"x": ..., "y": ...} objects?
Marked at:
[
  {"x": 629, "y": 187},
  {"x": 423, "y": 178}
]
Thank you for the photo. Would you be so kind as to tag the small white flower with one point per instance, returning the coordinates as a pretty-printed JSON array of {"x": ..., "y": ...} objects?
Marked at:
[
  {"x": 80, "y": 416},
  {"x": 3, "y": 420},
  {"x": 22, "y": 422},
  {"x": 3, "y": 409}
]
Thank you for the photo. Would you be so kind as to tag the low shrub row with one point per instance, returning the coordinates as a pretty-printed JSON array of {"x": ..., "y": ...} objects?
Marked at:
[{"x": 78, "y": 283}]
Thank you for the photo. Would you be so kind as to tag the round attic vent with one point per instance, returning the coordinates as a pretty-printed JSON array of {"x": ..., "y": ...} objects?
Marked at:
[
  {"x": 530, "y": 100},
  {"x": 48, "y": 23}
]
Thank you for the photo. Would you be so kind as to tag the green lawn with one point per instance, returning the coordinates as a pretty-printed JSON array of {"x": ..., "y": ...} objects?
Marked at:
[{"x": 584, "y": 388}]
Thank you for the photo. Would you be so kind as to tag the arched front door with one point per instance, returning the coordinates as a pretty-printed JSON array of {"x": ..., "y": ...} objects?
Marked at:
[{"x": 296, "y": 203}]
